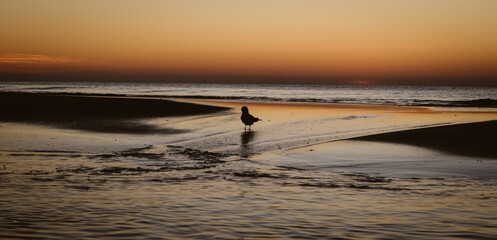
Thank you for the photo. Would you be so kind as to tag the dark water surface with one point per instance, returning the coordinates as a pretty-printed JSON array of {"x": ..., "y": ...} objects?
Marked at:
[{"x": 163, "y": 192}]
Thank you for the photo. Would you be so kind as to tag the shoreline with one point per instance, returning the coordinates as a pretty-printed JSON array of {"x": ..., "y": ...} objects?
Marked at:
[
  {"x": 284, "y": 126},
  {"x": 317, "y": 105}
]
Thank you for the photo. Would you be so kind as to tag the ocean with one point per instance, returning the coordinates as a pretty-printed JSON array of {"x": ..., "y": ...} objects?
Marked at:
[{"x": 383, "y": 95}]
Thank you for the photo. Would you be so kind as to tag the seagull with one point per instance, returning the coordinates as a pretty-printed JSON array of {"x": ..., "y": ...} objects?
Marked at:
[{"x": 248, "y": 119}]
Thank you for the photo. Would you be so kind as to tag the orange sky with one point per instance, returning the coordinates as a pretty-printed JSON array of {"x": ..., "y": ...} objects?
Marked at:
[{"x": 377, "y": 42}]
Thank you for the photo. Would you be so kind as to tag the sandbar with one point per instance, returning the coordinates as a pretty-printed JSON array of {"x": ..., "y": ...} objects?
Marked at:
[
  {"x": 95, "y": 113},
  {"x": 469, "y": 139}
]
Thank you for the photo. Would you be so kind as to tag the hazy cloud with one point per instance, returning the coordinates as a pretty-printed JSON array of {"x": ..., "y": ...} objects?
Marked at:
[
  {"x": 21, "y": 58},
  {"x": 34, "y": 63}
]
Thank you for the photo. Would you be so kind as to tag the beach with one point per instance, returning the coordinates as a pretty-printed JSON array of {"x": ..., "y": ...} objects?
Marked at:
[
  {"x": 248, "y": 120},
  {"x": 97, "y": 166}
]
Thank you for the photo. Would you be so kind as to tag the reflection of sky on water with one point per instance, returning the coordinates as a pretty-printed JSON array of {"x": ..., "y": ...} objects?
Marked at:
[{"x": 179, "y": 193}]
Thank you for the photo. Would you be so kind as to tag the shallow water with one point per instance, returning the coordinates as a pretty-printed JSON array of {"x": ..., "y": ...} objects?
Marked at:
[{"x": 175, "y": 192}]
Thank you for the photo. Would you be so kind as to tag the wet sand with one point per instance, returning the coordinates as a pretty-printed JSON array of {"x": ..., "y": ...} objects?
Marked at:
[
  {"x": 111, "y": 123},
  {"x": 463, "y": 150}
]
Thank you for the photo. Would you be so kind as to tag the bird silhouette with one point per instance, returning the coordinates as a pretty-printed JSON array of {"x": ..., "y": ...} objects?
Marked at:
[{"x": 247, "y": 119}]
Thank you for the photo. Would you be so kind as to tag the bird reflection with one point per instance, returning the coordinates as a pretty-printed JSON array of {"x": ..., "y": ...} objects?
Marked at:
[
  {"x": 247, "y": 136},
  {"x": 245, "y": 147}
]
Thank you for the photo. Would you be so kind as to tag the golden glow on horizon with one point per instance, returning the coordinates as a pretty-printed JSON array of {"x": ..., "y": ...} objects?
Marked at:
[{"x": 361, "y": 39}]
